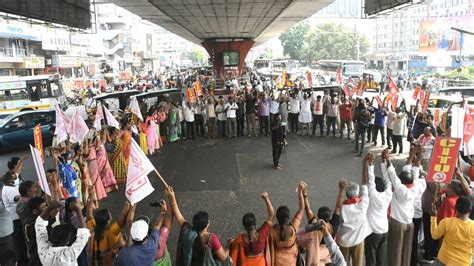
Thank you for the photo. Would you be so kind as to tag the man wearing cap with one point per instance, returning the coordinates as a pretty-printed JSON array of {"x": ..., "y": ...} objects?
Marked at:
[{"x": 145, "y": 241}]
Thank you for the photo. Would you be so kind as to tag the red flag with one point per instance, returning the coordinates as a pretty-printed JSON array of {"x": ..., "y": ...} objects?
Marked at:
[
  {"x": 338, "y": 76},
  {"x": 392, "y": 87},
  {"x": 346, "y": 90},
  {"x": 426, "y": 101},
  {"x": 379, "y": 101},
  {"x": 354, "y": 90},
  {"x": 416, "y": 92},
  {"x": 394, "y": 102}
]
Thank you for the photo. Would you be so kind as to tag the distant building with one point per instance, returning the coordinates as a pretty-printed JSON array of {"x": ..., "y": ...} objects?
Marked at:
[{"x": 418, "y": 39}]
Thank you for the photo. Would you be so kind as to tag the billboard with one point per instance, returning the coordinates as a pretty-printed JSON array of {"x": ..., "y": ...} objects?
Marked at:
[
  {"x": 230, "y": 58},
  {"x": 373, "y": 7},
  {"x": 436, "y": 35},
  {"x": 71, "y": 13}
]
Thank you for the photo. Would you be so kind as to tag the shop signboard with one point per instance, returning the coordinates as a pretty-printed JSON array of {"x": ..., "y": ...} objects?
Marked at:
[
  {"x": 33, "y": 62},
  {"x": 56, "y": 41},
  {"x": 18, "y": 31}
]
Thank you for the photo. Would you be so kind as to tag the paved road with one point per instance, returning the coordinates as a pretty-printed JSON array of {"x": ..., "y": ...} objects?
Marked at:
[{"x": 226, "y": 177}]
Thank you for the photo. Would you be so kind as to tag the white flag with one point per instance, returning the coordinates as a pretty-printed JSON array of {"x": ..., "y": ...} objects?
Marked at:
[
  {"x": 135, "y": 109},
  {"x": 111, "y": 121},
  {"x": 138, "y": 185},
  {"x": 62, "y": 124},
  {"x": 38, "y": 162},
  {"x": 77, "y": 128},
  {"x": 99, "y": 115}
]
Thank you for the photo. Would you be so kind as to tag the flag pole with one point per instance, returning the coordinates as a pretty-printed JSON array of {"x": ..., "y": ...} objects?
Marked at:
[{"x": 162, "y": 179}]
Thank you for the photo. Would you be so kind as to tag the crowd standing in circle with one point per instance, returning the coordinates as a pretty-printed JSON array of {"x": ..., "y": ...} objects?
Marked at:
[{"x": 376, "y": 222}]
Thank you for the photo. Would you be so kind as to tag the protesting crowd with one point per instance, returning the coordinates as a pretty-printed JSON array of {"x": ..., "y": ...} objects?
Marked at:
[{"x": 385, "y": 220}]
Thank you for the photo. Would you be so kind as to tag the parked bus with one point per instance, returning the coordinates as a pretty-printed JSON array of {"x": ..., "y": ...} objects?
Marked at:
[
  {"x": 287, "y": 64},
  {"x": 263, "y": 65},
  {"x": 349, "y": 68},
  {"x": 30, "y": 93}
]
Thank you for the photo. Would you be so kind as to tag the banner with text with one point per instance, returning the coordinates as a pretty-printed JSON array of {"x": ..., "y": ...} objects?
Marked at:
[{"x": 443, "y": 159}]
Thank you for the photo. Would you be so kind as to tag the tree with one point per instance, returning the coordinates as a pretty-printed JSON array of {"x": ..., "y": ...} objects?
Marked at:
[
  {"x": 334, "y": 41},
  {"x": 293, "y": 40}
]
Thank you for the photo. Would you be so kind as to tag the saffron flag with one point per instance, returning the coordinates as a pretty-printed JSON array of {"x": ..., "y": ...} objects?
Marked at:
[
  {"x": 388, "y": 100},
  {"x": 135, "y": 109},
  {"x": 43, "y": 182},
  {"x": 283, "y": 78},
  {"x": 339, "y": 76},
  {"x": 360, "y": 89},
  {"x": 191, "y": 95},
  {"x": 443, "y": 159},
  {"x": 437, "y": 116},
  {"x": 111, "y": 119},
  {"x": 138, "y": 185},
  {"x": 62, "y": 124},
  {"x": 309, "y": 78},
  {"x": 38, "y": 136},
  {"x": 392, "y": 87},
  {"x": 78, "y": 128},
  {"x": 468, "y": 135},
  {"x": 198, "y": 88}
]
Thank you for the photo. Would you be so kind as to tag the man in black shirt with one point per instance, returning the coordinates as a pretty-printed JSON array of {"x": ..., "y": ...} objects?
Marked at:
[
  {"x": 278, "y": 140},
  {"x": 250, "y": 101}
]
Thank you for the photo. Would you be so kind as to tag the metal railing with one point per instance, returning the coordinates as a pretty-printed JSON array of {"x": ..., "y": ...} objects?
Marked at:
[{"x": 11, "y": 52}]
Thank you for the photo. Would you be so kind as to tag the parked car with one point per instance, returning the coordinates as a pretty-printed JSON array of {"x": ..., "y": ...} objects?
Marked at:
[{"x": 16, "y": 130}]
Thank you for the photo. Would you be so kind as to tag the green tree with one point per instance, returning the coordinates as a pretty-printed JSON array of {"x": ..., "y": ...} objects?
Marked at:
[
  {"x": 293, "y": 40},
  {"x": 197, "y": 56},
  {"x": 334, "y": 41}
]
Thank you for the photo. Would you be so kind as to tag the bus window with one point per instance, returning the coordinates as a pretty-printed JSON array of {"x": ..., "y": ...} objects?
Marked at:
[
  {"x": 17, "y": 94},
  {"x": 55, "y": 90}
]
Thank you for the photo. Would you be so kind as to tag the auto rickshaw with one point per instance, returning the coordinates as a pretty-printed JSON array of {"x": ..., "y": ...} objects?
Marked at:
[{"x": 372, "y": 80}]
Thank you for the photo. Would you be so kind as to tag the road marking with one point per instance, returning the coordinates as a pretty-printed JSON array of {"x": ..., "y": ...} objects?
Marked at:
[{"x": 302, "y": 144}]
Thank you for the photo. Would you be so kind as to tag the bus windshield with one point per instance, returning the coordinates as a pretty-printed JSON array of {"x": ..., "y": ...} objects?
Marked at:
[{"x": 353, "y": 69}]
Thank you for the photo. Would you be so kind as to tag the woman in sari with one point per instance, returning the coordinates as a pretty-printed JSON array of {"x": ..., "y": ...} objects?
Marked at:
[
  {"x": 173, "y": 124},
  {"x": 117, "y": 157},
  {"x": 151, "y": 133},
  {"x": 283, "y": 235},
  {"x": 248, "y": 249},
  {"x": 142, "y": 136},
  {"x": 161, "y": 117},
  {"x": 91, "y": 157},
  {"x": 193, "y": 239},
  {"x": 105, "y": 171}
]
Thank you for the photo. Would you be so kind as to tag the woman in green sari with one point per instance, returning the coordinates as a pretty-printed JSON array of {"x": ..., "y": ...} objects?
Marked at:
[{"x": 174, "y": 125}]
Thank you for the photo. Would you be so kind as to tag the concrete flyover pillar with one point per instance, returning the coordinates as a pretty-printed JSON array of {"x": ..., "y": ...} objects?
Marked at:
[{"x": 227, "y": 68}]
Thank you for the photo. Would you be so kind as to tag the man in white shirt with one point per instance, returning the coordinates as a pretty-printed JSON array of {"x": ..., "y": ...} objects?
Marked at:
[
  {"x": 305, "y": 113},
  {"x": 221, "y": 118},
  {"x": 390, "y": 118},
  {"x": 399, "y": 126},
  {"x": 426, "y": 140},
  {"x": 380, "y": 195},
  {"x": 294, "y": 111},
  {"x": 7, "y": 247},
  {"x": 199, "y": 116},
  {"x": 274, "y": 107},
  {"x": 231, "y": 108},
  {"x": 189, "y": 112},
  {"x": 58, "y": 249},
  {"x": 10, "y": 197},
  {"x": 355, "y": 228},
  {"x": 406, "y": 186},
  {"x": 318, "y": 117}
]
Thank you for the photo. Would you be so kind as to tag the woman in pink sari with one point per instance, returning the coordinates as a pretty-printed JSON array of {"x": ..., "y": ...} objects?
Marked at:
[
  {"x": 91, "y": 158},
  {"x": 152, "y": 136},
  {"x": 105, "y": 171}
]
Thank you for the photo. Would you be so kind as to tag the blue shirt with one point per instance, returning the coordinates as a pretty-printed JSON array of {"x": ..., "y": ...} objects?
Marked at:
[
  {"x": 142, "y": 255},
  {"x": 380, "y": 116}
]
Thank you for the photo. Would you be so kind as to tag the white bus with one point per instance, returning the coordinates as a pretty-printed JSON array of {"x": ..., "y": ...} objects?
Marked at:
[
  {"x": 287, "y": 64},
  {"x": 263, "y": 65},
  {"x": 30, "y": 93},
  {"x": 349, "y": 68}
]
